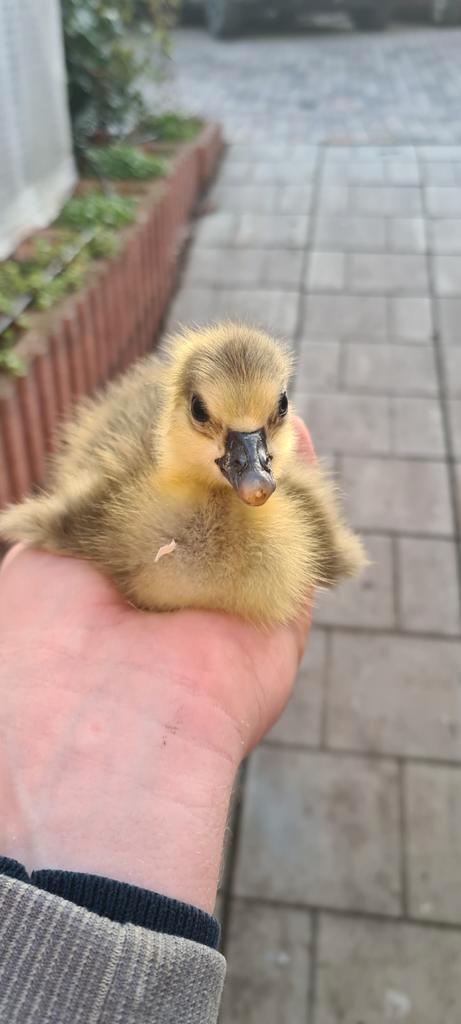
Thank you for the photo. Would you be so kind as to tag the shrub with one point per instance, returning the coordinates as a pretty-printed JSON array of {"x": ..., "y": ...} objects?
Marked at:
[{"x": 122, "y": 162}]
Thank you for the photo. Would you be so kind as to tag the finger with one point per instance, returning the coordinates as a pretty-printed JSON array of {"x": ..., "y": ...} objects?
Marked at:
[
  {"x": 11, "y": 555},
  {"x": 304, "y": 440}
]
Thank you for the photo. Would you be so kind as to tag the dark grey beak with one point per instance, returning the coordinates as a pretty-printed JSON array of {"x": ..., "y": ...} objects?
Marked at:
[{"x": 246, "y": 465}]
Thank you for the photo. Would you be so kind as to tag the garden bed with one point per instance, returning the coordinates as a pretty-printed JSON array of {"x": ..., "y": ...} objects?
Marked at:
[{"x": 114, "y": 318}]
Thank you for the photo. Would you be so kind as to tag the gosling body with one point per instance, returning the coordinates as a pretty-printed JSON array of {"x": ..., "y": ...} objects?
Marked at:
[{"x": 196, "y": 448}]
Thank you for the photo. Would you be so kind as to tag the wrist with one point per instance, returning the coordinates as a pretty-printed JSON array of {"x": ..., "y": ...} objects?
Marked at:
[{"x": 137, "y": 790}]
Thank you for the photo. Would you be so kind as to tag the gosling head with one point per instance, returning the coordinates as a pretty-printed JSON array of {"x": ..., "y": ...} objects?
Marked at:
[{"x": 228, "y": 424}]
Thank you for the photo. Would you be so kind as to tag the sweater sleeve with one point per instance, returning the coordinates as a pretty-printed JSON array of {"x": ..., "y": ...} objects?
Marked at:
[{"x": 63, "y": 964}]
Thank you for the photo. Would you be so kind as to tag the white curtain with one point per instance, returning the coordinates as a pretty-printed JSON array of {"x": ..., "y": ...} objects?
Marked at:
[{"x": 36, "y": 165}]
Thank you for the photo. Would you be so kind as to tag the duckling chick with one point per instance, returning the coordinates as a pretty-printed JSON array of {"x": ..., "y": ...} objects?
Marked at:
[{"x": 181, "y": 481}]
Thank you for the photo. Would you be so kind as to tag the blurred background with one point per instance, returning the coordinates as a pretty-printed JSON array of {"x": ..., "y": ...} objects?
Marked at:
[{"x": 333, "y": 218}]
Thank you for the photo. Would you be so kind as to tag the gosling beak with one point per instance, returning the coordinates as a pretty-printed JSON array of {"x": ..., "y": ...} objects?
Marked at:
[{"x": 246, "y": 465}]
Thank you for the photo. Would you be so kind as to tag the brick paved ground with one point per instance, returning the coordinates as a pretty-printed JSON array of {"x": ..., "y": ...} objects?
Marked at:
[{"x": 342, "y": 898}]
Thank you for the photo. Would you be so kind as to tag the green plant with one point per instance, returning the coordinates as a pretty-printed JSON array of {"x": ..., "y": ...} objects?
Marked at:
[
  {"x": 104, "y": 67},
  {"x": 94, "y": 209},
  {"x": 122, "y": 162},
  {"x": 171, "y": 127}
]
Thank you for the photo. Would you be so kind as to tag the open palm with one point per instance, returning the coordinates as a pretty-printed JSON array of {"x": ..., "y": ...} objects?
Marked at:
[{"x": 121, "y": 731}]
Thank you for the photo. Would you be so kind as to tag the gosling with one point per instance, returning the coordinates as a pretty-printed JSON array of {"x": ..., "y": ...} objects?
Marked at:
[{"x": 181, "y": 481}]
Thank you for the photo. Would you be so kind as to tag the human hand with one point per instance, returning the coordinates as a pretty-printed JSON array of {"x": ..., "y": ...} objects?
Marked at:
[{"x": 121, "y": 731}]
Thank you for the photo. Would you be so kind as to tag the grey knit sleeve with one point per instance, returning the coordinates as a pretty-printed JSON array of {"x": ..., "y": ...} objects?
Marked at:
[{"x": 61, "y": 964}]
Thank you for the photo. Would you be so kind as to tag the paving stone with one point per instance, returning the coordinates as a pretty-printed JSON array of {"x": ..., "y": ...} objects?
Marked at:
[
  {"x": 278, "y": 268},
  {"x": 445, "y": 235},
  {"x": 301, "y": 721},
  {"x": 268, "y": 152},
  {"x": 346, "y": 316},
  {"x": 447, "y": 275},
  {"x": 367, "y": 601},
  {"x": 289, "y": 172},
  {"x": 367, "y": 200},
  {"x": 267, "y": 199},
  {"x": 354, "y": 234},
  {"x": 416, "y": 427},
  {"x": 457, "y": 470},
  {"x": 428, "y": 585},
  {"x": 410, "y": 318},
  {"x": 321, "y": 830},
  {"x": 451, "y": 358},
  {"x": 277, "y": 311},
  {"x": 232, "y": 228},
  {"x": 347, "y": 423},
  {"x": 375, "y": 972},
  {"x": 406, "y": 234},
  {"x": 391, "y": 369},
  {"x": 326, "y": 271},
  {"x": 387, "y": 153},
  {"x": 268, "y": 956},
  {"x": 449, "y": 312},
  {"x": 443, "y": 202},
  {"x": 454, "y": 419},
  {"x": 433, "y": 794},
  {"x": 388, "y": 201},
  {"x": 372, "y": 171},
  {"x": 317, "y": 367},
  {"x": 387, "y": 273},
  {"x": 439, "y": 153},
  {"x": 439, "y": 173},
  {"x": 193, "y": 306},
  {"x": 258, "y": 229},
  {"x": 397, "y": 494},
  {"x": 217, "y": 228},
  {"x": 392, "y": 694}
]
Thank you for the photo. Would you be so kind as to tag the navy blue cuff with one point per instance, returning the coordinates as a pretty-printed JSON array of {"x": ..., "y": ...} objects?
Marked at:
[{"x": 123, "y": 903}]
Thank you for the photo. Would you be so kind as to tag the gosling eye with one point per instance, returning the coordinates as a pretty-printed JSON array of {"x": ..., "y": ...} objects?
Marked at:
[
  {"x": 198, "y": 410},
  {"x": 283, "y": 404}
]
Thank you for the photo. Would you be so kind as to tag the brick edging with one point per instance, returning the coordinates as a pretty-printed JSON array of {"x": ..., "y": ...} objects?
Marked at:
[{"x": 110, "y": 322}]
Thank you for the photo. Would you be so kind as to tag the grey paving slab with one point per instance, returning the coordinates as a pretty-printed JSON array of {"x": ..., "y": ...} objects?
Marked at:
[
  {"x": 326, "y": 272},
  {"x": 406, "y": 234},
  {"x": 447, "y": 275},
  {"x": 372, "y": 171},
  {"x": 346, "y": 316},
  {"x": 367, "y": 200},
  {"x": 433, "y": 795},
  {"x": 317, "y": 367},
  {"x": 443, "y": 201},
  {"x": 457, "y": 472},
  {"x": 410, "y": 319},
  {"x": 253, "y": 268},
  {"x": 449, "y": 316},
  {"x": 454, "y": 421},
  {"x": 438, "y": 173},
  {"x": 347, "y": 423},
  {"x": 269, "y": 955},
  {"x": 350, "y": 233},
  {"x": 397, "y": 494},
  {"x": 368, "y": 601},
  {"x": 436, "y": 153},
  {"x": 321, "y": 830},
  {"x": 283, "y": 230},
  {"x": 301, "y": 721},
  {"x": 428, "y": 585},
  {"x": 241, "y": 229},
  {"x": 392, "y": 694},
  {"x": 445, "y": 235},
  {"x": 277, "y": 311},
  {"x": 375, "y": 972},
  {"x": 417, "y": 427},
  {"x": 390, "y": 369},
  {"x": 268, "y": 199},
  {"x": 387, "y": 273},
  {"x": 451, "y": 360}
]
